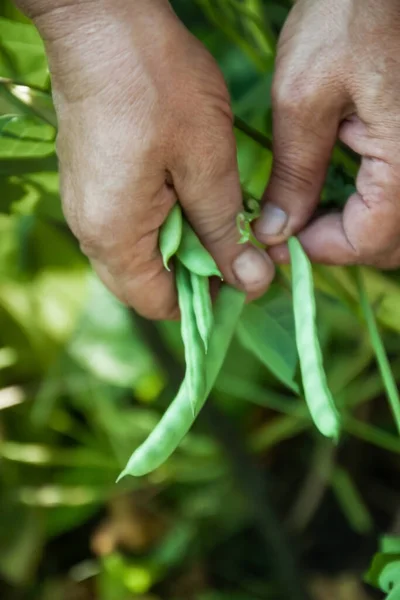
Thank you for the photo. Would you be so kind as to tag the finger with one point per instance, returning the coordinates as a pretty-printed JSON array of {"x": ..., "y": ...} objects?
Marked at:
[
  {"x": 108, "y": 280},
  {"x": 137, "y": 267},
  {"x": 304, "y": 132},
  {"x": 118, "y": 229},
  {"x": 210, "y": 193},
  {"x": 368, "y": 230}
]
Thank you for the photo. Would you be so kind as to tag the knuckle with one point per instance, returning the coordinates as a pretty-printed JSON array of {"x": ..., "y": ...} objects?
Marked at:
[
  {"x": 291, "y": 174},
  {"x": 92, "y": 233},
  {"x": 378, "y": 183},
  {"x": 88, "y": 225},
  {"x": 213, "y": 158},
  {"x": 219, "y": 230}
]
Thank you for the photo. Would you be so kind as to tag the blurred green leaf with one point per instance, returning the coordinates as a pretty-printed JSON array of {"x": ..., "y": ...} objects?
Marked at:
[
  {"x": 390, "y": 544},
  {"x": 351, "y": 502},
  {"x": 106, "y": 343},
  {"x": 20, "y": 547},
  {"x": 22, "y": 53},
  {"x": 26, "y": 137},
  {"x": 266, "y": 332},
  {"x": 27, "y": 100},
  {"x": 378, "y": 564}
]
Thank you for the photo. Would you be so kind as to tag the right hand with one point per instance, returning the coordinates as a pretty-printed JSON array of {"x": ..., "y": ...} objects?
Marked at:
[{"x": 144, "y": 118}]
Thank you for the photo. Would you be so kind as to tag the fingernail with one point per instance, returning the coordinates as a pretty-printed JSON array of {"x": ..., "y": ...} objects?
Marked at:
[
  {"x": 253, "y": 268},
  {"x": 272, "y": 220}
]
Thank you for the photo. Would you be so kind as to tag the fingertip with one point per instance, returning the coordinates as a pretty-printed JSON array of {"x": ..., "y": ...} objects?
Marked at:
[
  {"x": 253, "y": 270},
  {"x": 279, "y": 254},
  {"x": 272, "y": 227}
]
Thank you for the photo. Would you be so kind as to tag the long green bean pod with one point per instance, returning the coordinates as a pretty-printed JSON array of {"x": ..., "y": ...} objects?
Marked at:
[
  {"x": 317, "y": 394},
  {"x": 195, "y": 377},
  {"x": 202, "y": 305},
  {"x": 194, "y": 256},
  {"x": 178, "y": 418}
]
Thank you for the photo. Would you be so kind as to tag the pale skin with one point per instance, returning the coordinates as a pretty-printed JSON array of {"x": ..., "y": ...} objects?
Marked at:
[{"x": 145, "y": 117}]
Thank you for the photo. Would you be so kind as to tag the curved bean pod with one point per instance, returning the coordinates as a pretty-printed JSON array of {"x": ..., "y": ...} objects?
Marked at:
[
  {"x": 171, "y": 234},
  {"x": 195, "y": 376},
  {"x": 202, "y": 305},
  {"x": 178, "y": 418},
  {"x": 317, "y": 394},
  {"x": 194, "y": 256}
]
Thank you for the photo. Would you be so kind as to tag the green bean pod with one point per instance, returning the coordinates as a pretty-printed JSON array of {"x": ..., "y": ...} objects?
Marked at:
[
  {"x": 178, "y": 419},
  {"x": 202, "y": 307},
  {"x": 317, "y": 394},
  {"x": 194, "y": 256},
  {"x": 171, "y": 234},
  {"x": 195, "y": 376}
]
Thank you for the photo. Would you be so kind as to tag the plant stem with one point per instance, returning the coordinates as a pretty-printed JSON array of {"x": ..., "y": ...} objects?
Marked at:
[
  {"x": 340, "y": 156},
  {"x": 252, "y": 133},
  {"x": 381, "y": 356},
  {"x": 256, "y": 488},
  {"x": 372, "y": 435}
]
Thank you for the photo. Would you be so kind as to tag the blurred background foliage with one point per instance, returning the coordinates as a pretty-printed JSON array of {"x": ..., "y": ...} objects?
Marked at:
[{"x": 254, "y": 504}]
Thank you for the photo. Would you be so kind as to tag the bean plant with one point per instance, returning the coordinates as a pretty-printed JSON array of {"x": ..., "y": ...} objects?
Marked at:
[
  {"x": 193, "y": 266},
  {"x": 81, "y": 383}
]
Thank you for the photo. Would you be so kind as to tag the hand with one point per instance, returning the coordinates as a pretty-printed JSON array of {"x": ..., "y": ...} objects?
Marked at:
[
  {"x": 338, "y": 75},
  {"x": 144, "y": 117}
]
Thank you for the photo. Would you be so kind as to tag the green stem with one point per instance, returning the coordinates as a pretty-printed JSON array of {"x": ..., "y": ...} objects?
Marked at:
[
  {"x": 372, "y": 435},
  {"x": 257, "y": 490},
  {"x": 252, "y": 133},
  {"x": 258, "y": 28},
  {"x": 340, "y": 157},
  {"x": 381, "y": 357}
]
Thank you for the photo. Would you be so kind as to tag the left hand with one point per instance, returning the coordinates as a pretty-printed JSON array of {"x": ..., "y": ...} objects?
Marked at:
[{"x": 337, "y": 76}]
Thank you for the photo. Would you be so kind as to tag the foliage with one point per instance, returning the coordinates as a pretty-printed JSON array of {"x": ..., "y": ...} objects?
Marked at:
[{"x": 83, "y": 380}]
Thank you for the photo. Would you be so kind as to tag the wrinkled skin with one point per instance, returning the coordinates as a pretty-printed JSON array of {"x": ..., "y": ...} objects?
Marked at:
[
  {"x": 337, "y": 75},
  {"x": 144, "y": 117}
]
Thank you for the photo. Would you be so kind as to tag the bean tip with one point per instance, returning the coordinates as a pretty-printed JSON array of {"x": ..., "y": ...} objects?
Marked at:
[
  {"x": 123, "y": 474},
  {"x": 166, "y": 265}
]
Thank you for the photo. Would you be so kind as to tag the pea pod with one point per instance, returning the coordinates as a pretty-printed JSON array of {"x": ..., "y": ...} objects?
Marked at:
[
  {"x": 194, "y": 256},
  {"x": 194, "y": 352},
  {"x": 317, "y": 394},
  {"x": 171, "y": 235},
  {"x": 202, "y": 307},
  {"x": 178, "y": 418}
]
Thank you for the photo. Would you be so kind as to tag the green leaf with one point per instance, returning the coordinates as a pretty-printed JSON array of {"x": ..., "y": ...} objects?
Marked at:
[
  {"x": 267, "y": 336},
  {"x": 20, "y": 546},
  {"x": 379, "y": 562},
  {"x": 25, "y": 137},
  {"x": 390, "y": 544},
  {"x": 105, "y": 342},
  {"x": 34, "y": 194},
  {"x": 351, "y": 502},
  {"x": 22, "y": 54},
  {"x": 25, "y": 166},
  {"x": 28, "y": 101},
  {"x": 5, "y": 120},
  {"x": 389, "y": 577}
]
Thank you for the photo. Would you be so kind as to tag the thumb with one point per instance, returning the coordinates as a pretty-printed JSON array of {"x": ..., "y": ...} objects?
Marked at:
[
  {"x": 208, "y": 187},
  {"x": 303, "y": 140}
]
